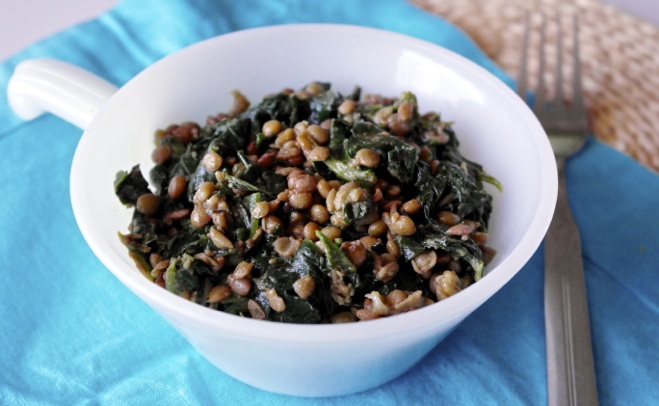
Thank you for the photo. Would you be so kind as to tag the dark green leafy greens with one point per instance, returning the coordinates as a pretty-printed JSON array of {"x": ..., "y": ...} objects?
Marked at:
[{"x": 244, "y": 237}]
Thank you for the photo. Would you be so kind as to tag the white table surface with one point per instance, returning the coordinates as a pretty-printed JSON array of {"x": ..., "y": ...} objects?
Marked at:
[{"x": 23, "y": 22}]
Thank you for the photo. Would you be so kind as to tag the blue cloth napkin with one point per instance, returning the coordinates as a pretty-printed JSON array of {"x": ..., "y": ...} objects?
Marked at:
[{"x": 70, "y": 333}]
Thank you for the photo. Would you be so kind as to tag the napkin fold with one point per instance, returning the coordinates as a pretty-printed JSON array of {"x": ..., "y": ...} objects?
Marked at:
[{"x": 70, "y": 333}]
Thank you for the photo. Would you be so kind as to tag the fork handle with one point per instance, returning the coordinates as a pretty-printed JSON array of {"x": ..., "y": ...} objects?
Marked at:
[{"x": 570, "y": 366}]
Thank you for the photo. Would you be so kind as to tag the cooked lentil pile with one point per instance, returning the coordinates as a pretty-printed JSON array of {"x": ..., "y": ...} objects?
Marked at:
[{"x": 310, "y": 207}]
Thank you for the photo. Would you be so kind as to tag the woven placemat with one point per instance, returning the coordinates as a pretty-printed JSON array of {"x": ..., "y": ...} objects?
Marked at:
[{"x": 619, "y": 55}]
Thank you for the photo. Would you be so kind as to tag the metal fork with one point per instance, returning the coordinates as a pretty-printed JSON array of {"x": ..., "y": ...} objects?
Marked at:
[{"x": 570, "y": 366}]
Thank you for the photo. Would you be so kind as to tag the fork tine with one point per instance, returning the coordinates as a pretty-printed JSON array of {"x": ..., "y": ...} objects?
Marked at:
[
  {"x": 523, "y": 65},
  {"x": 558, "y": 86},
  {"x": 577, "y": 87},
  {"x": 552, "y": 110},
  {"x": 540, "y": 96}
]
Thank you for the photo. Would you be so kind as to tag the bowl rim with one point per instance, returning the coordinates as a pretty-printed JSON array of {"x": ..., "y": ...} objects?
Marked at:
[{"x": 455, "y": 307}]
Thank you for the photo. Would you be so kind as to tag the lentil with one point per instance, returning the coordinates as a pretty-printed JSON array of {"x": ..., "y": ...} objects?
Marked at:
[
  {"x": 176, "y": 215},
  {"x": 221, "y": 221},
  {"x": 283, "y": 196},
  {"x": 304, "y": 142},
  {"x": 274, "y": 300},
  {"x": 286, "y": 246},
  {"x": 186, "y": 132},
  {"x": 310, "y": 231},
  {"x": 260, "y": 210},
  {"x": 300, "y": 127},
  {"x": 424, "y": 263},
  {"x": 461, "y": 229},
  {"x": 377, "y": 229},
  {"x": 402, "y": 225},
  {"x": 319, "y": 154},
  {"x": 147, "y": 204},
  {"x": 177, "y": 186},
  {"x": 318, "y": 133},
  {"x": 302, "y": 182},
  {"x": 447, "y": 284},
  {"x": 385, "y": 267},
  {"x": 367, "y": 157},
  {"x": 199, "y": 218},
  {"x": 368, "y": 241},
  {"x": 347, "y": 107},
  {"x": 314, "y": 88},
  {"x": 396, "y": 297},
  {"x": 240, "y": 104},
  {"x": 380, "y": 118},
  {"x": 243, "y": 269},
  {"x": 331, "y": 232},
  {"x": 304, "y": 286},
  {"x": 392, "y": 248},
  {"x": 319, "y": 214},
  {"x": 255, "y": 310},
  {"x": 283, "y": 137},
  {"x": 271, "y": 127},
  {"x": 160, "y": 268},
  {"x": 323, "y": 188},
  {"x": 239, "y": 286},
  {"x": 204, "y": 192},
  {"x": 273, "y": 206},
  {"x": 161, "y": 154},
  {"x": 393, "y": 191},
  {"x": 271, "y": 224},
  {"x": 398, "y": 126},
  {"x": 216, "y": 263},
  {"x": 300, "y": 200},
  {"x": 219, "y": 239},
  {"x": 377, "y": 195},
  {"x": 355, "y": 251},
  {"x": 412, "y": 206},
  {"x": 448, "y": 218},
  {"x": 296, "y": 230},
  {"x": 289, "y": 152},
  {"x": 343, "y": 317},
  {"x": 219, "y": 293},
  {"x": 211, "y": 161},
  {"x": 267, "y": 160},
  {"x": 155, "y": 259},
  {"x": 405, "y": 111}
]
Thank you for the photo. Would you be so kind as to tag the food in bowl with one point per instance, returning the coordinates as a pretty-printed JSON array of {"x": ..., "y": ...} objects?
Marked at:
[
  {"x": 311, "y": 207},
  {"x": 495, "y": 128}
]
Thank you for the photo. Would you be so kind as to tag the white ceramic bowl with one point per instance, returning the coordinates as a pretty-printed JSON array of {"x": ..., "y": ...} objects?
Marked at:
[{"x": 494, "y": 126}]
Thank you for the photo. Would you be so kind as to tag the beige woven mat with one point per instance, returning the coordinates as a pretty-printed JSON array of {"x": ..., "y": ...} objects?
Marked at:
[{"x": 619, "y": 54}]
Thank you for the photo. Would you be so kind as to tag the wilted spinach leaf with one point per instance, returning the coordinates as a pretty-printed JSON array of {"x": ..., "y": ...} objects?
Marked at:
[{"x": 128, "y": 186}]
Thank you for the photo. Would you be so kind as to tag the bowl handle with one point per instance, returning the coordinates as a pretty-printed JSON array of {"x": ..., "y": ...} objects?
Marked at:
[{"x": 67, "y": 91}]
